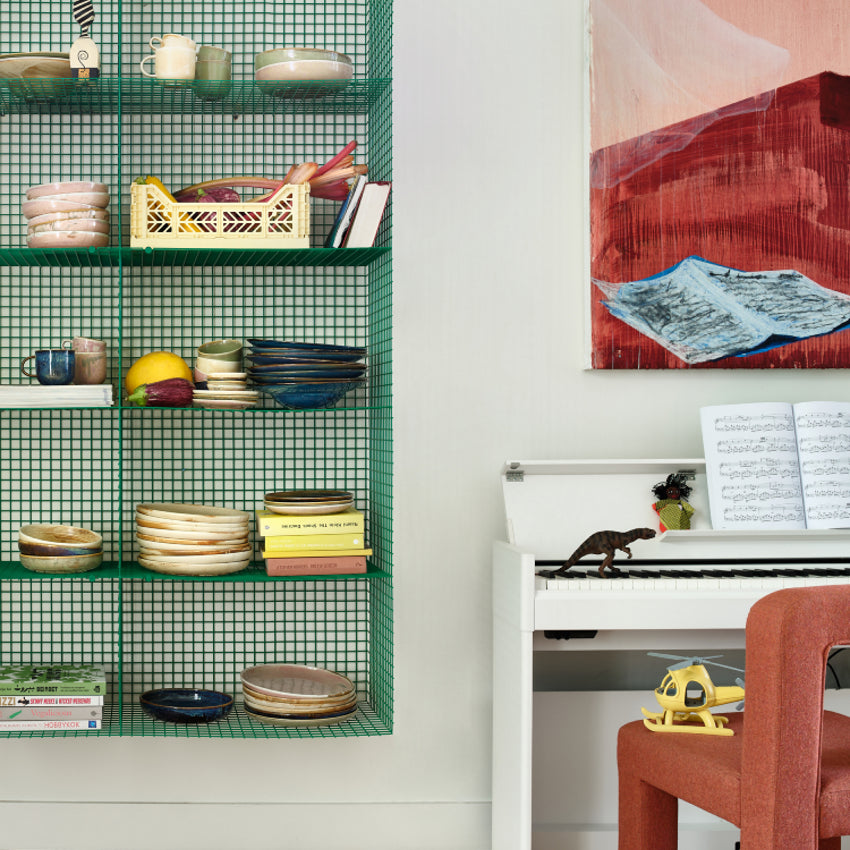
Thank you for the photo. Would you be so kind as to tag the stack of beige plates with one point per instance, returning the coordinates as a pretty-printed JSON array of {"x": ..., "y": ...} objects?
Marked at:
[
  {"x": 192, "y": 540},
  {"x": 294, "y": 695},
  {"x": 67, "y": 215}
]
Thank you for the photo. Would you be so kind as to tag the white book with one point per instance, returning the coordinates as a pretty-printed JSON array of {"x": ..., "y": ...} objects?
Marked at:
[
  {"x": 368, "y": 215},
  {"x": 48, "y": 725},
  {"x": 52, "y": 712},
  {"x": 26, "y": 700},
  {"x": 777, "y": 465}
]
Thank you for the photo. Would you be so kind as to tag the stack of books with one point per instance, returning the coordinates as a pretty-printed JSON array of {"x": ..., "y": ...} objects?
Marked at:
[
  {"x": 329, "y": 544},
  {"x": 51, "y": 697}
]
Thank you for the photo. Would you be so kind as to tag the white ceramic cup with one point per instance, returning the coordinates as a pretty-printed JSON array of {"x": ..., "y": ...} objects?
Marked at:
[
  {"x": 171, "y": 40},
  {"x": 171, "y": 63},
  {"x": 205, "y": 365}
]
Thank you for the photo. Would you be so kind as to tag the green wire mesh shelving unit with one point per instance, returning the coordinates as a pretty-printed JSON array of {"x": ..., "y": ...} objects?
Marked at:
[{"x": 90, "y": 467}]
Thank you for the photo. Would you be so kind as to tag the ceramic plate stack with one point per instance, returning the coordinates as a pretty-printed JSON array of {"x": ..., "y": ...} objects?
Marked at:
[
  {"x": 224, "y": 391},
  {"x": 308, "y": 502},
  {"x": 303, "y": 375},
  {"x": 192, "y": 540},
  {"x": 67, "y": 215},
  {"x": 295, "y": 695}
]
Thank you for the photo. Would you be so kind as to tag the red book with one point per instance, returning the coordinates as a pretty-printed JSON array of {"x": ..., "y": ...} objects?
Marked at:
[{"x": 315, "y": 566}]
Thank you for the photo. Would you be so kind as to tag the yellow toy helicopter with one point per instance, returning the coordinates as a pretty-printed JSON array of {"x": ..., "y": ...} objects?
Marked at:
[{"x": 687, "y": 693}]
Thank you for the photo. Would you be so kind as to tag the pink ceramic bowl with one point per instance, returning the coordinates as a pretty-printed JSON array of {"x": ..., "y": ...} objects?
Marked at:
[
  {"x": 40, "y": 206},
  {"x": 88, "y": 225},
  {"x": 68, "y": 239},
  {"x": 76, "y": 215},
  {"x": 63, "y": 188}
]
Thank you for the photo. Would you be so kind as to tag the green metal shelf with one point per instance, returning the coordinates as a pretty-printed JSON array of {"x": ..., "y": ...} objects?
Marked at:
[
  {"x": 138, "y": 96},
  {"x": 91, "y": 466},
  {"x": 189, "y": 257}
]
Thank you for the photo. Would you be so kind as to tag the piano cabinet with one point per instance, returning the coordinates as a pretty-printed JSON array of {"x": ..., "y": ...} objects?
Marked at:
[{"x": 554, "y": 772}]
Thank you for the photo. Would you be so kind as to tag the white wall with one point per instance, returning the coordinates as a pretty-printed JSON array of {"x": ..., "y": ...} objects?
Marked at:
[{"x": 489, "y": 240}]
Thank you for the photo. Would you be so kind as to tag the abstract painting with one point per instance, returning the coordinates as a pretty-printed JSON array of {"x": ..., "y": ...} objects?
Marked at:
[{"x": 719, "y": 184}]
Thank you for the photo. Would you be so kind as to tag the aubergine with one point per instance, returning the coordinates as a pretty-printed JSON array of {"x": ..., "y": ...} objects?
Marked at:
[{"x": 173, "y": 392}]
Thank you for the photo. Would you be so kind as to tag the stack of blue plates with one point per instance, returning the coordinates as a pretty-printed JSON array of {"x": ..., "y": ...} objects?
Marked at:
[{"x": 302, "y": 375}]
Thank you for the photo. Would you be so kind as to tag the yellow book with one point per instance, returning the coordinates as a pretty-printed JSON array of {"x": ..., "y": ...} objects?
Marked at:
[
  {"x": 285, "y": 542},
  {"x": 313, "y": 553},
  {"x": 346, "y": 522}
]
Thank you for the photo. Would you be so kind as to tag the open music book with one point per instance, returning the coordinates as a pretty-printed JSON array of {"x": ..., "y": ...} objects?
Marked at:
[{"x": 776, "y": 465}]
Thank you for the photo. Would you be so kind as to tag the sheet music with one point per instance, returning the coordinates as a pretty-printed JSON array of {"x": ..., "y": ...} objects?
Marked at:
[
  {"x": 823, "y": 446},
  {"x": 752, "y": 466},
  {"x": 778, "y": 465}
]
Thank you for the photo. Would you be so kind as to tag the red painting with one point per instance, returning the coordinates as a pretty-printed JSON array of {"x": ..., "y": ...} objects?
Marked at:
[{"x": 720, "y": 238}]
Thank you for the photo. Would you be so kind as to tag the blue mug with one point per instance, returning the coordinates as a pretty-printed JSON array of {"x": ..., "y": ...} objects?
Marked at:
[{"x": 53, "y": 366}]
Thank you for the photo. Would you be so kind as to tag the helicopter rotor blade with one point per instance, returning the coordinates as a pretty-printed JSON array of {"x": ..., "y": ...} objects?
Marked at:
[
  {"x": 726, "y": 666},
  {"x": 687, "y": 659}
]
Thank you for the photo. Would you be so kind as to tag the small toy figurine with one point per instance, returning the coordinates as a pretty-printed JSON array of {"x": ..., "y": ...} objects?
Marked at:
[
  {"x": 687, "y": 693},
  {"x": 602, "y": 543},
  {"x": 672, "y": 508}
]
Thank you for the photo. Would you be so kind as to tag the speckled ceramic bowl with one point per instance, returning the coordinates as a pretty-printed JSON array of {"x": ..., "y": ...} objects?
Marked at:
[{"x": 186, "y": 705}]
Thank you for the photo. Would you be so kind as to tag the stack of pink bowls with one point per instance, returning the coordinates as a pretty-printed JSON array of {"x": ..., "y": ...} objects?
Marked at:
[{"x": 67, "y": 215}]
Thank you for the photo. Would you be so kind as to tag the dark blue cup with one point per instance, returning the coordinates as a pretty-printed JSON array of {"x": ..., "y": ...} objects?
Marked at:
[{"x": 53, "y": 366}]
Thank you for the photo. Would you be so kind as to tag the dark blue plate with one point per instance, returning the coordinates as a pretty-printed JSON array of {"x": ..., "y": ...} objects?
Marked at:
[
  {"x": 186, "y": 705},
  {"x": 309, "y": 346},
  {"x": 317, "y": 372}
]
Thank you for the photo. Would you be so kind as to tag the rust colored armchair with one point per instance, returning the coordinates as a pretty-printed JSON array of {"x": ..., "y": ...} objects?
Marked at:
[{"x": 784, "y": 777}]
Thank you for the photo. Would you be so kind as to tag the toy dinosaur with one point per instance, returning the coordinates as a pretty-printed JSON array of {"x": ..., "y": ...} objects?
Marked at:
[{"x": 602, "y": 543}]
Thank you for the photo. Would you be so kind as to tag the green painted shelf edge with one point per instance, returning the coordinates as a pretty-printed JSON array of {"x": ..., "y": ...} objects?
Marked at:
[
  {"x": 11, "y": 570},
  {"x": 126, "y": 719},
  {"x": 182, "y": 257},
  {"x": 139, "y": 96}
]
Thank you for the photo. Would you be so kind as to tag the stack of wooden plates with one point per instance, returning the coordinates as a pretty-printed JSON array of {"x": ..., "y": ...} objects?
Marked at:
[
  {"x": 308, "y": 502},
  {"x": 295, "y": 695},
  {"x": 192, "y": 540}
]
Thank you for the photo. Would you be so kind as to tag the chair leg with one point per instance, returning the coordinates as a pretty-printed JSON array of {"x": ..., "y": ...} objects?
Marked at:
[{"x": 648, "y": 817}]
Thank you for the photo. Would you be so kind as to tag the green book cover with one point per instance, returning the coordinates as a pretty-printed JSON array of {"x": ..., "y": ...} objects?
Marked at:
[{"x": 46, "y": 679}]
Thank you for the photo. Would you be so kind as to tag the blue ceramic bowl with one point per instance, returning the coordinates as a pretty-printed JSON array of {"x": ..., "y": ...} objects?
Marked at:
[
  {"x": 303, "y": 396},
  {"x": 186, "y": 705}
]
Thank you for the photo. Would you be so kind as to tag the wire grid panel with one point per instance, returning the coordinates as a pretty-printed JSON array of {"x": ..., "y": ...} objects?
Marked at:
[
  {"x": 177, "y": 310},
  {"x": 63, "y": 621},
  {"x": 249, "y": 29},
  {"x": 60, "y": 468},
  {"x": 36, "y": 149},
  {"x": 188, "y": 149},
  {"x": 42, "y": 307},
  {"x": 232, "y": 459},
  {"x": 28, "y": 27},
  {"x": 203, "y": 635}
]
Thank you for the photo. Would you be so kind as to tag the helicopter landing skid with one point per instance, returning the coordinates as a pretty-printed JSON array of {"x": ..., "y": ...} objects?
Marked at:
[{"x": 687, "y": 722}]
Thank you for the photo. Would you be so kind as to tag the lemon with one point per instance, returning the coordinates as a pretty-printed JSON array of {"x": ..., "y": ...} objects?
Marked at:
[{"x": 156, "y": 366}]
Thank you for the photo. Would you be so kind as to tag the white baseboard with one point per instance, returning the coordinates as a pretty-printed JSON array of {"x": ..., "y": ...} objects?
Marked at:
[{"x": 217, "y": 826}]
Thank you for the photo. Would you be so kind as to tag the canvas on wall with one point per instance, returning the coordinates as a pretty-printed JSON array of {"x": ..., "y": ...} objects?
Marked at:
[{"x": 719, "y": 184}]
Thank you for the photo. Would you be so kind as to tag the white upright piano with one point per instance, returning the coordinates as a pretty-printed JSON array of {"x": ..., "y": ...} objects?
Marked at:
[{"x": 684, "y": 589}]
